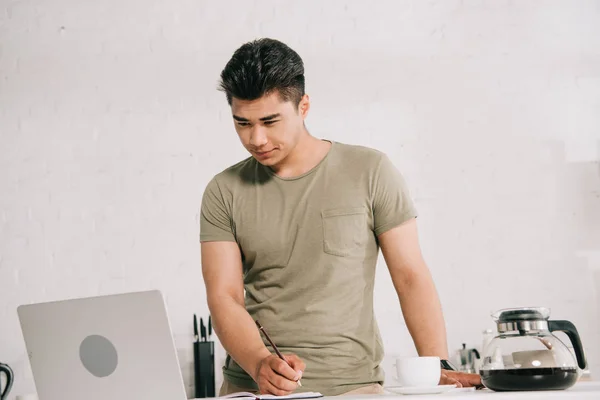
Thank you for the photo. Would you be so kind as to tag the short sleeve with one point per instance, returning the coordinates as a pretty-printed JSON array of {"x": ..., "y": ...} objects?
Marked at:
[
  {"x": 392, "y": 204},
  {"x": 215, "y": 220}
]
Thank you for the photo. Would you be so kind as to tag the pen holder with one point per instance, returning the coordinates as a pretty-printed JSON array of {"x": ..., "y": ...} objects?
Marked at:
[{"x": 204, "y": 369}]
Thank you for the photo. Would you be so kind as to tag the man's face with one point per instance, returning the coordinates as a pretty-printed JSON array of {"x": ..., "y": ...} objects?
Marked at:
[{"x": 268, "y": 127}]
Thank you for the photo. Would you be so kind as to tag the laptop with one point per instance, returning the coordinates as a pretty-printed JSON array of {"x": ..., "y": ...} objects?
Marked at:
[{"x": 117, "y": 347}]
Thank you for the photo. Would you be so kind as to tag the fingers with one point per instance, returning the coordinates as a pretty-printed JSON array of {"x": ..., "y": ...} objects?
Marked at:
[
  {"x": 455, "y": 382},
  {"x": 473, "y": 380},
  {"x": 297, "y": 365},
  {"x": 468, "y": 380},
  {"x": 277, "y": 377},
  {"x": 460, "y": 379},
  {"x": 282, "y": 383},
  {"x": 283, "y": 369},
  {"x": 445, "y": 379},
  {"x": 269, "y": 388},
  {"x": 272, "y": 383}
]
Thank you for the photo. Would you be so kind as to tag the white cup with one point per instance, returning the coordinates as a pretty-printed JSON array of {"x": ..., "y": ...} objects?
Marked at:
[{"x": 418, "y": 371}]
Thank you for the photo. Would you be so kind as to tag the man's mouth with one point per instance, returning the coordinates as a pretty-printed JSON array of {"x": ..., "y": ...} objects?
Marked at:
[{"x": 263, "y": 153}]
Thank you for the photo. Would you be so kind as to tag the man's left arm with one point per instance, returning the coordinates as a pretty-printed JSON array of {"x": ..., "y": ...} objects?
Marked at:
[{"x": 418, "y": 297}]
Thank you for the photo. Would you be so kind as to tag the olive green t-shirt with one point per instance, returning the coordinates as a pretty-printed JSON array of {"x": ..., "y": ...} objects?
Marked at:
[{"x": 309, "y": 249}]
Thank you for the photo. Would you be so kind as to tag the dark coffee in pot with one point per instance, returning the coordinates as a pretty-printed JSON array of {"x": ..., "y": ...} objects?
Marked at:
[{"x": 529, "y": 378}]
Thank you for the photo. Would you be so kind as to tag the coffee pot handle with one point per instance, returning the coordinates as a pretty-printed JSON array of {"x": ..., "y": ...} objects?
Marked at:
[
  {"x": 568, "y": 328},
  {"x": 9, "y": 381}
]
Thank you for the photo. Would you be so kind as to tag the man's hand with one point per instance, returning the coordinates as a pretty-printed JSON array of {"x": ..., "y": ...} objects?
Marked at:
[
  {"x": 274, "y": 376},
  {"x": 460, "y": 379}
]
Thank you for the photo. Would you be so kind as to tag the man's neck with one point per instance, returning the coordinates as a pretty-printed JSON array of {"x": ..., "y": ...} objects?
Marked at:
[{"x": 307, "y": 154}]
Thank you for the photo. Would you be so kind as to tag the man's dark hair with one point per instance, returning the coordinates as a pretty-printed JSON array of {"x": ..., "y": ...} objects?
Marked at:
[{"x": 262, "y": 67}]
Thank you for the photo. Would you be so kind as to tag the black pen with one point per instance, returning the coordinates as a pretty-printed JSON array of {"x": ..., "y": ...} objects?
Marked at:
[
  {"x": 209, "y": 327},
  {"x": 196, "y": 338}
]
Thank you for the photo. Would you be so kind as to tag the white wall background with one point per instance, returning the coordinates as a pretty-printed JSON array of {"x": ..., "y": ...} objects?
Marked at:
[{"x": 111, "y": 125}]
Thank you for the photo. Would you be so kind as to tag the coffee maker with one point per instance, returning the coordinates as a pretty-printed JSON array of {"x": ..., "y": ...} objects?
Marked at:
[{"x": 468, "y": 359}]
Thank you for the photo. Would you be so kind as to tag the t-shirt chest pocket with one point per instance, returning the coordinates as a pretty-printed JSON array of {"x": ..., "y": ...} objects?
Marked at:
[{"x": 345, "y": 231}]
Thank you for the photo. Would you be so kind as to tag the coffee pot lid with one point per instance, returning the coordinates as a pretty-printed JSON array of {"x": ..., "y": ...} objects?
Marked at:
[{"x": 521, "y": 314}]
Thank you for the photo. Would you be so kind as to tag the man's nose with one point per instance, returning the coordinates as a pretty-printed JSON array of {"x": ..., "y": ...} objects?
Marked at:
[{"x": 258, "y": 136}]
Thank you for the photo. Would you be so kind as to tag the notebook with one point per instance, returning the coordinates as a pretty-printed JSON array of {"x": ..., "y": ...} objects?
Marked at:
[{"x": 251, "y": 396}]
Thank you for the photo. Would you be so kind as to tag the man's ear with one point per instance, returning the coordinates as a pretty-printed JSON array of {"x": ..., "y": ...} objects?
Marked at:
[{"x": 304, "y": 106}]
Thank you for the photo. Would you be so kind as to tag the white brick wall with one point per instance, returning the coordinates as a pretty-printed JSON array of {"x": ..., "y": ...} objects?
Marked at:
[{"x": 110, "y": 126}]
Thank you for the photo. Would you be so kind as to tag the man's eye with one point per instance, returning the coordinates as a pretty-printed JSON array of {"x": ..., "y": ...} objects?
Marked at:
[
  {"x": 270, "y": 122},
  {"x": 243, "y": 124}
]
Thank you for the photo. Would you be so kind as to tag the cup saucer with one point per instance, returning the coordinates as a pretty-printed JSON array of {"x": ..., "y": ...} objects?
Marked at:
[{"x": 420, "y": 389}]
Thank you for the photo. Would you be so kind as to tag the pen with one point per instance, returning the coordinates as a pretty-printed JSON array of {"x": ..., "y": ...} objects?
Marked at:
[
  {"x": 260, "y": 328},
  {"x": 195, "y": 328},
  {"x": 209, "y": 327}
]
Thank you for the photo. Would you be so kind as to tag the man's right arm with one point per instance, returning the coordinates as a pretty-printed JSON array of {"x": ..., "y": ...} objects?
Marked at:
[{"x": 237, "y": 332}]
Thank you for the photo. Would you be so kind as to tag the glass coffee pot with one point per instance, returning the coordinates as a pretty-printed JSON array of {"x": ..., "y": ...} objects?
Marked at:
[{"x": 525, "y": 355}]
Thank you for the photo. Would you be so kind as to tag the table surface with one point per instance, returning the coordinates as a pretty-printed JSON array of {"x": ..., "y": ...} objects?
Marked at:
[{"x": 581, "y": 390}]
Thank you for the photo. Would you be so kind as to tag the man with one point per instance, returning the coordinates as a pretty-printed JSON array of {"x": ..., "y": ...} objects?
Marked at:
[{"x": 290, "y": 237}]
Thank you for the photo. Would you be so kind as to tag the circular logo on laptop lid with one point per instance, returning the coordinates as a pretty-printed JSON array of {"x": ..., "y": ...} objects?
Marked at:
[{"x": 98, "y": 355}]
